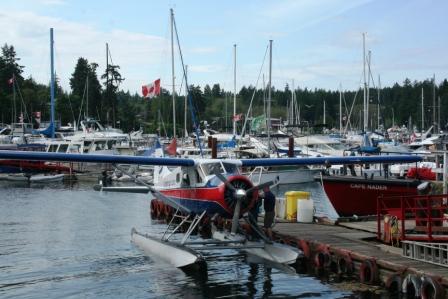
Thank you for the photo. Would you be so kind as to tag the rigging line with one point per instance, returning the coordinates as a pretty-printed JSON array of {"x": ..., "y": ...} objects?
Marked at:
[
  {"x": 353, "y": 104},
  {"x": 82, "y": 101},
  {"x": 21, "y": 99},
  {"x": 255, "y": 91},
  {"x": 193, "y": 118}
]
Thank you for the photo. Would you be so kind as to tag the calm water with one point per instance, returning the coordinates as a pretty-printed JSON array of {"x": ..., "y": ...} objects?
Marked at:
[{"x": 59, "y": 242}]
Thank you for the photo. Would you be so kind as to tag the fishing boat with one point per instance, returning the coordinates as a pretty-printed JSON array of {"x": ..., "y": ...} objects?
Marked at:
[{"x": 357, "y": 195}]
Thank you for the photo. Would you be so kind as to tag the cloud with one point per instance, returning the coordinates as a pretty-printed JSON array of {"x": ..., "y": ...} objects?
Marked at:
[
  {"x": 52, "y": 2},
  {"x": 140, "y": 56}
]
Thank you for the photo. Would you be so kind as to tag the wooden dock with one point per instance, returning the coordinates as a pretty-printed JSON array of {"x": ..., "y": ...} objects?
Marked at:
[{"x": 355, "y": 243}]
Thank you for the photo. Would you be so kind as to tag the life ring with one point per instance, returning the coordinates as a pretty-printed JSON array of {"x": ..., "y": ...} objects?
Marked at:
[
  {"x": 431, "y": 288},
  {"x": 345, "y": 264},
  {"x": 322, "y": 258},
  {"x": 394, "y": 283},
  {"x": 305, "y": 247},
  {"x": 368, "y": 272},
  {"x": 412, "y": 286}
]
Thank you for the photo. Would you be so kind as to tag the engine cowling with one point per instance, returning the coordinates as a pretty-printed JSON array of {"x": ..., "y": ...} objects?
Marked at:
[{"x": 240, "y": 182}]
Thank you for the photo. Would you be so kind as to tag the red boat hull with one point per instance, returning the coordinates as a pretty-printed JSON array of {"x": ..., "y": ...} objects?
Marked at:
[{"x": 358, "y": 196}]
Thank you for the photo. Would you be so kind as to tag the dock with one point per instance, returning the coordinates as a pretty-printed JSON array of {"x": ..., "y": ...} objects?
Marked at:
[{"x": 351, "y": 249}]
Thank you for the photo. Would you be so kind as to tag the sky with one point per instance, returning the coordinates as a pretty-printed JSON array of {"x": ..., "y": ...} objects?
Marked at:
[{"x": 316, "y": 43}]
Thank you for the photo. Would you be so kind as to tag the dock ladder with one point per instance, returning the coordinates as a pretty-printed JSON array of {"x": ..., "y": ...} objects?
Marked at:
[{"x": 434, "y": 253}]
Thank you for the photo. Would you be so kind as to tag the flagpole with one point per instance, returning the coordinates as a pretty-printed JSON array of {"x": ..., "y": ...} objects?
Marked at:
[{"x": 172, "y": 72}]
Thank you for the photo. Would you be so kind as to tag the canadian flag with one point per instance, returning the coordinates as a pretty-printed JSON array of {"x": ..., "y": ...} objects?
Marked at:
[{"x": 151, "y": 90}]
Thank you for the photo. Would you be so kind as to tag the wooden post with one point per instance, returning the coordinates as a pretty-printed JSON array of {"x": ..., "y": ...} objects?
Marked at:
[
  {"x": 214, "y": 148},
  {"x": 291, "y": 147},
  {"x": 209, "y": 141}
]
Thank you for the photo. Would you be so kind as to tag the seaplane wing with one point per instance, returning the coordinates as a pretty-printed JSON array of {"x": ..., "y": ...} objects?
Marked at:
[{"x": 90, "y": 158}]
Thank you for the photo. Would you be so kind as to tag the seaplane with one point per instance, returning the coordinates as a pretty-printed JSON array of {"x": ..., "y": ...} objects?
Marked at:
[{"x": 196, "y": 189}]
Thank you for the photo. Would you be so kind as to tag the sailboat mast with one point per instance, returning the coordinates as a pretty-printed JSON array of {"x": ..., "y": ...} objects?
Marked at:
[
  {"x": 269, "y": 95},
  {"x": 87, "y": 95},
  {"x": 172, "y": 73},
  {"x": 340, "y": 108},
  {"x": 365, "y": 84},
  {"x": 185, "y": 104},
  {"x": 434, "y": 102},
  {"x": 423, "y": 113},
  {"x": 369, "y": 55},
  {"x": 234, "y": 89},
  {"x": 378, "y": 110},
  {"x": 324, "y": 113},
  {"x": 52, "y": 84}
]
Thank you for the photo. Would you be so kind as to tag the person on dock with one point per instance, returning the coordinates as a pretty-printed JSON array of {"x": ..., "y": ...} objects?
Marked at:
[{"x": 269, "y": 209}]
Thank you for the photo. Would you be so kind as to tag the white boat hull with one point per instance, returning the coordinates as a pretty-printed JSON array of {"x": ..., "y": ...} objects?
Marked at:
[
  {"x": 40, "y": 178},
  {"x": 177, "y": 255}
]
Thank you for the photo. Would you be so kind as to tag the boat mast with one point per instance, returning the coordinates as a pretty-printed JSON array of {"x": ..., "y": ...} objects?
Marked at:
[
  {"x": 365, "y": 84},
  {"x": 378, "y": 107},
  {"x": 340, "y": 108},
  {"x": 52, "y": 84},
  {"x": 172, "y": 73},
  {"x": 434, "y": 102},
  {"x": 234, "y": 89},
  {"x": 423, "y": 113},
  {"x": 369, "y": 55},
  {"x": 324, "y": 113},
  {"x": 107, "y": 78},
  {"x": 185, "y": 105},
  {"x": 269, "y": 95}
]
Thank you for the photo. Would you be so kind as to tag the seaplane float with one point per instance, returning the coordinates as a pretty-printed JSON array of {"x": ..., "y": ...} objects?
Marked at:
[{"x": 198, "y": 188}]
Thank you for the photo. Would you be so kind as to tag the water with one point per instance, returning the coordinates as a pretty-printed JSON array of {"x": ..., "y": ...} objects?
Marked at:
[{"x": 61, "y": 241}]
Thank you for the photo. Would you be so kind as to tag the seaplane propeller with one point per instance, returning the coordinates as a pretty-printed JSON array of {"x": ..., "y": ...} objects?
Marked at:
[{"x": 237, "y": 194}]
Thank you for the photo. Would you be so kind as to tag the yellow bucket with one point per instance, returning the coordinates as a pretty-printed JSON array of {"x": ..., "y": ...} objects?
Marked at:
[{"x": 291, "y": 203}]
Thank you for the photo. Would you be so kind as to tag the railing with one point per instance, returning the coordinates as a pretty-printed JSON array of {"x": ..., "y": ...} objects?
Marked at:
[{"x": 414, "y": 218}]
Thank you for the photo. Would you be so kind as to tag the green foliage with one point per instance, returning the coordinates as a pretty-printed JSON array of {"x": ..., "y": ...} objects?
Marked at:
[{"x": 401, "y": 102}]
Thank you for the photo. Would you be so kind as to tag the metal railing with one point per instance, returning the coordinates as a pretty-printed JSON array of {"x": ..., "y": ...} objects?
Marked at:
[{"x": 420, "y": 217}]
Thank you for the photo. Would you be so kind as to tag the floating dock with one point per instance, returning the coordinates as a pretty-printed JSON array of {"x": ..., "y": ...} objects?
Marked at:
[{"x": 352, "y": 250}]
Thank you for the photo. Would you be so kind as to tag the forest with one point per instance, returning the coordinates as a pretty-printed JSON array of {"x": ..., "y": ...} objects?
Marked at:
[{"x": 99, "y": 96}]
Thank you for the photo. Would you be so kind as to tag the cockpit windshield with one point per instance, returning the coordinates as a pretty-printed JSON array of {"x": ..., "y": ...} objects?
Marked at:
[
  {"x": 230, "y": 168},
  {"x": 211, "y": 168}
]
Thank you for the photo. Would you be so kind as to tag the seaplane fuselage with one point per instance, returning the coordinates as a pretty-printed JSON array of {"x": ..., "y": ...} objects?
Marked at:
[{"x": 198, "y": 188}]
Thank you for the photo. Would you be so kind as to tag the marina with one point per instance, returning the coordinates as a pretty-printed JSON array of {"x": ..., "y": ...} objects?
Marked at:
[{"x": 157, "y": 170}]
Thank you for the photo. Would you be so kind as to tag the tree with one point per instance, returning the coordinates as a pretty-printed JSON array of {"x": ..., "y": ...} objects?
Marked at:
[
  {"x": 86, "y": 89},
  {"x": 216, "y": 91},
  {"x": 113, "y": 80}
]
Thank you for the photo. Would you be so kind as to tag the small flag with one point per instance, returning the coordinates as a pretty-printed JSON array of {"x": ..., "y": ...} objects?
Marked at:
[
  {"x": 151, "y": 90},
  {"x": 171, "y": 149},
  {"x": 11, "y": 81}
]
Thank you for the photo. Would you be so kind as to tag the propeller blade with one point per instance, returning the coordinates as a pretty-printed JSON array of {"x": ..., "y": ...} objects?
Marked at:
[
  {"x": 225, "y": 181},
  {"x": 260, "y": 186}
]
